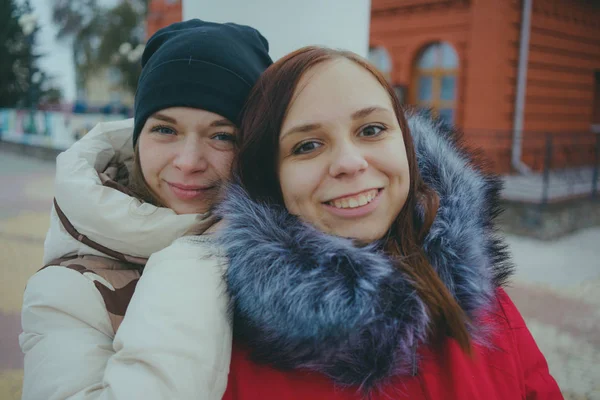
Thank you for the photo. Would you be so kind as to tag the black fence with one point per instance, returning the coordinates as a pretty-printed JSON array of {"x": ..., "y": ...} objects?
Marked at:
[{"x": 557, "y": 166}]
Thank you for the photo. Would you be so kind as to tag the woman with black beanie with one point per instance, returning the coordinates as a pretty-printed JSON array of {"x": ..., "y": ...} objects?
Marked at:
[{"x": 127, "y": 306}]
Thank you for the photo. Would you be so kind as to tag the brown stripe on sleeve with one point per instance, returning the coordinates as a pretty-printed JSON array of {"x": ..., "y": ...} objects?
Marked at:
[{"x": 117, "y": 300}]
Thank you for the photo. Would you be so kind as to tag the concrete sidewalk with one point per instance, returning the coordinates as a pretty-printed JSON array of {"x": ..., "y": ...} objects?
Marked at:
[
  {"x": 557, "y": 289},
  {"x": 25, "y": 199}
]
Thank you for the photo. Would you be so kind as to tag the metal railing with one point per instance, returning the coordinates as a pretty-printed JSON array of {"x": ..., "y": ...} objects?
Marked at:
[{"x": 562, "y": 165}]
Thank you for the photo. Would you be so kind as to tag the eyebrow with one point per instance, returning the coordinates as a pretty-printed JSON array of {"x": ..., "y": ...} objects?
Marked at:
[
  {"x": 362, "y": 113},
  {"x": 163, "y": 117},
  {"x": 367, "y": 111},
  {"x": 301, "y": 129},
  {"x": 222, "y": 122},
  {"x": 216, "y": 123}
]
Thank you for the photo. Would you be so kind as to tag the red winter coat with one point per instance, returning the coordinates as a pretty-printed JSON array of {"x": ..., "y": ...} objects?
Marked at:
[
  {"x": 332, "y": 314},
  {"x": 512, "y": 368}
]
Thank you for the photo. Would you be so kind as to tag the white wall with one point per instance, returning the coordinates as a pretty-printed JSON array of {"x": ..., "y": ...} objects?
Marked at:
[{"x": 291, "y": 24}]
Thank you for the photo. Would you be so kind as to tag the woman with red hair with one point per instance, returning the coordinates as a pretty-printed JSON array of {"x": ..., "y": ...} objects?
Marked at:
[{"x": 363, "y": 255}]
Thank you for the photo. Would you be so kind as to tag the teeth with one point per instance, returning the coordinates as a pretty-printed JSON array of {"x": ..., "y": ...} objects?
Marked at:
[{"x": 357, "y": 201}]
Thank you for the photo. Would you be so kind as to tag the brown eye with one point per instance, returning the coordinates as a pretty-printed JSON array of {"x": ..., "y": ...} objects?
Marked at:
[{"x": 371, "y": 131}]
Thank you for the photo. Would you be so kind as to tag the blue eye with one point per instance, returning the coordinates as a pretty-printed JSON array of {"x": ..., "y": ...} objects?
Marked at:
[
  {"x": 163, "y": 130},
  {"x": 306, "y": 147},
  {"x": 371, "y": 131},
  {"x": 225, "y": 137}
]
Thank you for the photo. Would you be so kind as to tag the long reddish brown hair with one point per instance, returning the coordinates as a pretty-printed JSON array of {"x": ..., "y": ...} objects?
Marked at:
[{"x": 256, "y": 168}]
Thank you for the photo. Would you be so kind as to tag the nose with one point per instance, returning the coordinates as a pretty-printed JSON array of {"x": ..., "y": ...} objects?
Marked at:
[
  {"x": 348, "y": 160},
  {"x": 191, "y": 155}
]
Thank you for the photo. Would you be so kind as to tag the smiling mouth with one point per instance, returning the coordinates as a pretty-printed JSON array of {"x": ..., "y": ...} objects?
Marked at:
[
  {"x": 190, "y": 192},
  {"x": 354, "y": 201},
  {"x": 190, "y": 187}
]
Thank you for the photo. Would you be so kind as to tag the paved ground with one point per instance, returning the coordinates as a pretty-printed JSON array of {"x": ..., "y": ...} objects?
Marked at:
[
  {"x": 557, "y": 289},
  {"x": 25, "y": 196},
  {"x": 557, "y": 286}
]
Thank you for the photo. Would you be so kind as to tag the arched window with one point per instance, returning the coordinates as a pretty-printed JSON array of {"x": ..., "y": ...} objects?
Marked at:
[
  {"x": 380, "y": 58},
  {"x": 435, "y": 80}
]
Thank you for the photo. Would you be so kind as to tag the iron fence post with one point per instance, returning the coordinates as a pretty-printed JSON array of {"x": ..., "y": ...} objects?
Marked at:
[
  {"x": 547, "y": 166},
  {"x": 596, "y": 169}
]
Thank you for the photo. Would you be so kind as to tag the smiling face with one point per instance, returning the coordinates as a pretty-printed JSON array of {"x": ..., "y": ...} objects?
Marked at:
[
  {"x": 185, "y": 153},
  {"x": 342, "y": 162}
]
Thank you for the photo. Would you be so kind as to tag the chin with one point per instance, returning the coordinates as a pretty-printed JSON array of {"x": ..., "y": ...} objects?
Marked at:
[
  {"x": 188, "y": 209},
  {"x": 362, "y": 234}
]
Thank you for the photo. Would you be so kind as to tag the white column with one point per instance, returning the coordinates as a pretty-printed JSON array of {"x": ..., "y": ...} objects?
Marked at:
[{"x": 291, "y": 24}]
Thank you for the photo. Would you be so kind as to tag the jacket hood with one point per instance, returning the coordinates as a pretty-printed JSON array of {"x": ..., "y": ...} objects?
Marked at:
[
  {"x": 96, "y": 215},
  {"x": 304, "y": 299}
]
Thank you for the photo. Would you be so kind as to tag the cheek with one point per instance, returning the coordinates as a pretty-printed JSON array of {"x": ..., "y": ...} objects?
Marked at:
[
  {"x": 401, "y": 168},
  {"x": 400, "y": 171},
  {"x": 392, "y": 161},
  {"x": 290, "y": 188},
  {"x": 150, "y": 158},
  {"x": 221, "y": 162},
  {"x": 297, "y": 184},
  {"x": 395, "y": 161}
]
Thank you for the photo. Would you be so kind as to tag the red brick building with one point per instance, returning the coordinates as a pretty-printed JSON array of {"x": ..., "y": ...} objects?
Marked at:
[
  {"x": 461, "y": 57},
  {"x": 162, "y": 13}
]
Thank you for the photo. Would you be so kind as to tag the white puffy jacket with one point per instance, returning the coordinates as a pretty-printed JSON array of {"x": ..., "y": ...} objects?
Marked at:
[{"x": 173, "y": 341}]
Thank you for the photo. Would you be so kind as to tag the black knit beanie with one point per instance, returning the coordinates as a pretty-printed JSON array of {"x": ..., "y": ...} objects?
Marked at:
[{"x": 202, "y": 65}]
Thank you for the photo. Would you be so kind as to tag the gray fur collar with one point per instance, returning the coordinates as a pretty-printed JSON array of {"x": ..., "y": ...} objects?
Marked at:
[{"x": 304, "y": 299}]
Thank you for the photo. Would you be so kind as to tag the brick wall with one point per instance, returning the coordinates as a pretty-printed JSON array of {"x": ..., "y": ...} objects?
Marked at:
[{"x": 162, "y": 13}]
